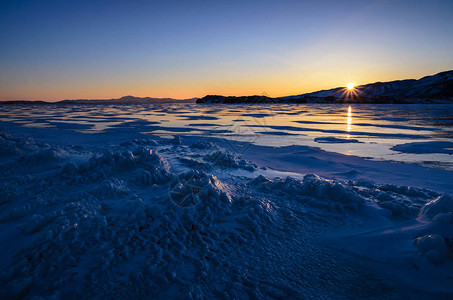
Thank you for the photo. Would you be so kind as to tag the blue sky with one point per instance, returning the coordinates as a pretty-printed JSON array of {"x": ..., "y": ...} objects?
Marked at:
[{"x": 55, "y": 50}]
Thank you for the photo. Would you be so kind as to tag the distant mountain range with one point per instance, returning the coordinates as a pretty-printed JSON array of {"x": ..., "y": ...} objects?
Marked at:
[
  {"x": 430, "y": 89},
  {"x": 122, "y": 100}
]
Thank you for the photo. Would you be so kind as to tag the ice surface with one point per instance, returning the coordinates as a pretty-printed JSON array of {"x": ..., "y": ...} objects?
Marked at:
[
  {"x": 121, "y": 213},
  {"x": 378, "y": 128}
]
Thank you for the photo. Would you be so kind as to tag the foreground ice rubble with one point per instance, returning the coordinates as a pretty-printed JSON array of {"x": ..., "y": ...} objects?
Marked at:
[
  {"x": 124, "y": 221},
  {"x": 438, "y": 245}
]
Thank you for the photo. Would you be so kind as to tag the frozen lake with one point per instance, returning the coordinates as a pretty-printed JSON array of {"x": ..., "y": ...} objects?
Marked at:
[
  {"x": 226, "y": 201},
  {"x": 369, "y": 131}
]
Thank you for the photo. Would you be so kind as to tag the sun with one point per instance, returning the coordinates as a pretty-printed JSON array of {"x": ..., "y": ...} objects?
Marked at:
[{"x": 350, "y": 86}]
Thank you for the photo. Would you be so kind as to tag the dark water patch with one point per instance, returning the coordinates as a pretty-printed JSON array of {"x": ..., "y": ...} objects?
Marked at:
[
  {"x": 374, "y": 134},
  {"x": 335, "y": 140},
  {"x": 137, "y": 123},
  {"x": 199, "y": 117},
  {"x": 69, "y": 126},
  {"x": 149, "y": 129},
  {"x": 276, "y": 133},
  {"x": 203, "y": 125},
  {"x": 425, "y": 147},
  {"x": 219, "y": 131},
  {"x": 256, "y": 115}
]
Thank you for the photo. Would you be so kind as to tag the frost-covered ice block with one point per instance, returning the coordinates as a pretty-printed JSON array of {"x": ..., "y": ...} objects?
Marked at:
[{"x": 442, "y": 205}]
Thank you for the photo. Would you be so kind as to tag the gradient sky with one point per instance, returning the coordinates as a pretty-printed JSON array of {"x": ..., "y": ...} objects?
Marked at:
[{"x": 53, "y": 50}]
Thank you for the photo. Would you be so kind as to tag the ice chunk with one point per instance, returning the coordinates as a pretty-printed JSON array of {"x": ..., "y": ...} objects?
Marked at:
[
  {"x": 42, "y": 156},
  {"x": 194, "y": 163},
  {"x": 442, "y": 204},
  {"x": 433, "y": 246},
  {"x": 259, "y": 180},
  {"x": 112, "y": 188},
  {"x": 198, "y": 188},
  {"x": 176, "y": 140},
  {"x": 315, "y": 191},
  {"x": 141, "y": 142},
  {"x": 11, "y": 146},
  {"x": 403, "y": 201},
  {"x": 203, "y": 145},
  {"x": 229, "y": 160}
]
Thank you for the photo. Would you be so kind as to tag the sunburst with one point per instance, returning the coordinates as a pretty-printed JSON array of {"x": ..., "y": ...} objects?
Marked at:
[{"x": 350, "y": 91}]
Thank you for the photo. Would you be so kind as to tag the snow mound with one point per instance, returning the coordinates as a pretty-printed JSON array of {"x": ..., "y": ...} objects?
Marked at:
[
  {"x": 229, "y": 160},
  {"x": 156, "y": 170},
  {"x": 433, "y": 247},
  {"x": 195, "y": 163},
  {"x": 140, "y": 142},
  {"x": 437, "y": 246},
  {"x": 25, "y": 155},
  {"x": 314, "y": 190},
  {"x": 42, "y": 157},
  {"x": 403, "y": 201},
  {"x": 112, "y": 188},
  {"x": 199, "y": 189},
  {"x": 11, "y": 146},
  {"x": 204, "y": 145},
  {"x": 93, "y": 230},
  {"x": 404, "y": 205},
  {"x": 440, "y": 209}
]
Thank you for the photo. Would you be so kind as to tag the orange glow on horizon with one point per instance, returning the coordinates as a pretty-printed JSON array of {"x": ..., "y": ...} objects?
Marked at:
[{"x": 275, "y": 85}]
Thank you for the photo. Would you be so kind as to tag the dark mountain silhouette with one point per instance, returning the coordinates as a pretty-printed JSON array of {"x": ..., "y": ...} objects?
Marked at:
[
  {"x": 122, "y": 100},
  {"x": 430, "y": 89}
]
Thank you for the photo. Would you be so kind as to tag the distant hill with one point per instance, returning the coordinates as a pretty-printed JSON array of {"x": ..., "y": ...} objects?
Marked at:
[
  {"x": 234, "y": 99},
  {"x": 122, "y": 100},
  {"x": 430, "y": 89},
  {"x": 439, "y": 86}
]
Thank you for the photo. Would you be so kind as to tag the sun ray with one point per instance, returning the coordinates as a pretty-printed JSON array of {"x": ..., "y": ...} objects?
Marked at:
[{"x": 350, "y": 91}]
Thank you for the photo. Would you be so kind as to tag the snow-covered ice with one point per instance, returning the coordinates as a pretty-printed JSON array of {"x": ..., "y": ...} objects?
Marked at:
[{"x": 132, "y": 210}]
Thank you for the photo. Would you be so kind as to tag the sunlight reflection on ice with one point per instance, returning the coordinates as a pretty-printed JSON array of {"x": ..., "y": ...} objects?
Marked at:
[{"x": 349, "y": 121}]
